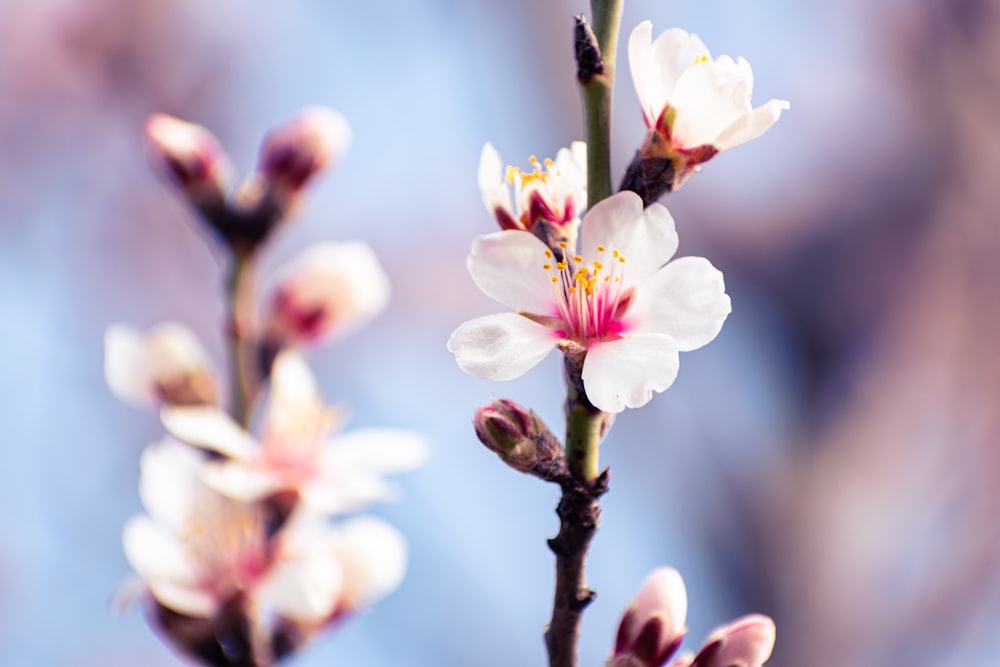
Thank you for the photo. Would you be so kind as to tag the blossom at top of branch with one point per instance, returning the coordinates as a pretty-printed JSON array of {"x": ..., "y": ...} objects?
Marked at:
[
  {"x": 548, "y": 200},
  {"x": 620, "y": 307},
  {"x": 329, "y": 290},
  {"x": 190, "y": 157},
  {"x": 292, "y": 154},
  {"x": 695, "y": 107},
  {"x": 165, "y": 365},
  {"x": 296, "y": 452},
  {"x": 652, "y": 628}
]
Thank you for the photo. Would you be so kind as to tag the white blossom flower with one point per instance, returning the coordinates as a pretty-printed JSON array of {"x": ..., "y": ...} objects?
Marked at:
[
  {"x": 554, "y": 191},
  {"x": 167, "y": 365},
  {"x": 328, "y": 291},
  {"x": 618, "y": 305},
  {"x": 332, "y": 474},
  {"x": 198, "y": 550},
  {"x": 697, "y": 105}
]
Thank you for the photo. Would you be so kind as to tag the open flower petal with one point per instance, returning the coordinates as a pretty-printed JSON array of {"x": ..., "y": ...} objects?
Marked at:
[
  {"x": 168, "y": 484},
  {"x": 373, "y": 555},
  {"x": 306, "y": 589},
  {"x": 502, "y": 346},
  {"x": 624, "y": 373},
  {"x": 384, "y": 450},
  {"x": 646, "y": 237},
  {"x": 751, "y": 125},
  {"x": 491, "y": 180},
  {"x": 686, "y": 299},
  {"x": 240, "y": 481},
  {"x": 507, "y": 266},
  {"x": 209, "y": 428},
  {"x": 709, "y": 96}
]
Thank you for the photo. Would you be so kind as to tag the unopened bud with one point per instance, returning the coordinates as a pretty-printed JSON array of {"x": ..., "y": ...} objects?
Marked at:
[
  {"x": 520, "y": 439},
  {"x": 746, "y": 642},
  {"x": 652, "y": 628},
  {"x": 190, "y": 157},
  {"x": 293, "y": 154},
  {"x": 328, "y": 291}
]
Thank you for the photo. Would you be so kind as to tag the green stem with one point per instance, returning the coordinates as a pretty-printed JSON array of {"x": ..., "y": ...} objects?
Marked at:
[
  {"x": 239, "y": 305},
  {"x": 597, "y": 94}
]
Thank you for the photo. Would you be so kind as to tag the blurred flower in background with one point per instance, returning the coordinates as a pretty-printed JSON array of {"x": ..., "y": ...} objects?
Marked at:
[{"x": 829, "y": 460}]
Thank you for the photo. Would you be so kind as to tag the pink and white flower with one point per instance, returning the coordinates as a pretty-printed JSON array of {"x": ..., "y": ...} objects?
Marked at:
[
  {"x": 618, "y": 306},
  {"x": 190, "y": 157},
  {"x": 652, "y": 627},
  {"x": 697, "y": 106},
  {"x": 198, "y": 551},
  {"x": 328, "y": 291},
  {"x": 553, "y": 191},
  {"x": 296, "y": 452},
  {"x": 292, "y": 154},
  {"x": 165, "y": 365}
]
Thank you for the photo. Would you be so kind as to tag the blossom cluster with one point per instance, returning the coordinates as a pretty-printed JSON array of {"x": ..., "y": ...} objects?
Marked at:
[
  {"x": 251, "y": 543},
  {"x": 617, "y": 304}
]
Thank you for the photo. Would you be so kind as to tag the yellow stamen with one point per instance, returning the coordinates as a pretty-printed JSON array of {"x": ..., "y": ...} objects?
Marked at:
[{"x": 703, "y": 58}]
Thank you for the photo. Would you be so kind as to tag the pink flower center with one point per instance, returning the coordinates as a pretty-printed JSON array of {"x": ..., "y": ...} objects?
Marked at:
[
  {"x": 539, "y": 194},
  {"x": 590, "y": 300}
]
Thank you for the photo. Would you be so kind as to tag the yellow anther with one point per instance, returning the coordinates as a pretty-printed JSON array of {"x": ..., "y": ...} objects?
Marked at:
[
  {"x": 607, "y": 279},
  {"x": 548, "y": 253},
  {"x": 618, "y": 279},
  {"x": 703, "y": 58},
  {"x": 549, "y": 163},
  {"x": 533, "y": 160},
  {"x": 621, "y": 259},
  {"x": 572, "y": 290},
  {"x": 561, "y": 265},
  {"x": 510, "y": 174},
  {"x": 598, "y": 266},
  {"x": 554, "y": 279},
  {"x": 577, "y": 258},
  {"x": 547, "y": 267},
  {"x": 562, "y": 244},
  {"x": 615, "y": 253},
  {"x": 600, "y": 248}
]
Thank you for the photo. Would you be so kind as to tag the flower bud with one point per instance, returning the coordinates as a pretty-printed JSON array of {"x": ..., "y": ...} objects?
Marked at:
[
  {"x": 520, "y": 439},
  {"x": 190, "y": 157},
  {"x": 293, "y": 154},
  {"x": 328, "y": 291},
  {"x": 746, "y": 642},
  {"x": 652, "y": 627},
  {"x": 165, "y": 365}
]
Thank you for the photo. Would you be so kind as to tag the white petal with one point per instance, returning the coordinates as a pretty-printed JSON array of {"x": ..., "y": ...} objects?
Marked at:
[
  {"x": 340, "y": 490},
  {"x": 344, "y": 282},
  {"x": 640, "y": 49},
  {"x": 625, "y": 373},
  {"x": 306, "y": 589},
  {"x": 646, "y": 238},
  {"x": 240, "y": 481},
  {"x": 209, "y": 428},
  {"x": 751, "y": 125},
  {"x": 673, "y": 52},
  {"x": 384, "y": 450},
  {"x": 571, "y": 167},
  {"x": 749, "y": 640},
  {"x": 709, "y": 96},
  {"x": 492, "y": 185},
  {"x": 127, "y": 368},
  {"x": 155, "y": 552},
  {"x": 663, "y": 594},
  {"x": 508, "y": 266},
  {"x": 373, "y": 555},
  {"x": 294, "y": 399},
  {"x": 686, "y": 300},
  {"x": 169, "y": 483},
  {"x": 500, "y": 347}
]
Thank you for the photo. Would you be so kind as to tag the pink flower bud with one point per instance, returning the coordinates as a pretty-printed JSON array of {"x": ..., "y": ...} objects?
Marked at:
[
  {"x": 519, "y": 438},
  {"x": 329, "y": 290},
  {"x": 190, "y": 157},
  {"x": 745, "y": 642},
  {"x": 652, "y": 627},
  {"x": 293, "y": 153}
]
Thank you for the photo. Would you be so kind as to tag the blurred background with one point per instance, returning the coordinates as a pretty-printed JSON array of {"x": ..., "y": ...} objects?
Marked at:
[{"x": 832, "y": 459}]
